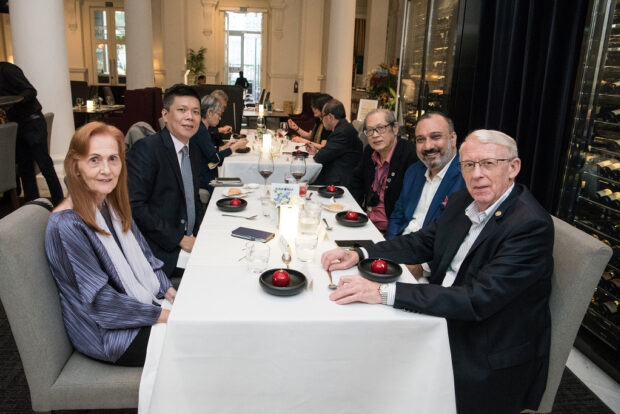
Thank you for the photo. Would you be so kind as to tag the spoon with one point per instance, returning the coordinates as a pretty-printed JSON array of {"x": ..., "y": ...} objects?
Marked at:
[
  {"x": 327, "y": 226},
  {"x": 309, "y": 196},
  {"x": 243, "y": 217},
  {"x": 286, "y": 258},
  {"x": 331, "y": 281}
]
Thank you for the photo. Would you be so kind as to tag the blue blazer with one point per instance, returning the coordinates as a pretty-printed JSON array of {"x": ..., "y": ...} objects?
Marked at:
[
  {"x": 412, "y": 190},
  {"x": 209, "y": 154}
]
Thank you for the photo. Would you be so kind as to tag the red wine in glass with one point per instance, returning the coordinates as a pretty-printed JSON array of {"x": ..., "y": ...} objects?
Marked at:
[{"x": 298, "y": 175}]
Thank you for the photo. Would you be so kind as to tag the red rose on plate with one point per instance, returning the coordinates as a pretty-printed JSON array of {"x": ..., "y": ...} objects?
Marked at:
[
  {"x": 351, "y": 215},
  {"x": 331, "y": 188},
  {"x": 280, "y": 278},
  {"x": 235, "y": 202},
  {"x": 378, "y": 266}
]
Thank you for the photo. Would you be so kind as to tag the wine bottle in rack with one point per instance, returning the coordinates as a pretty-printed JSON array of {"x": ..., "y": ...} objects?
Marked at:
[
  {"x": 613, "y": 200},
  {"x": 603, "y": 166},
  {"x": 599, "y": 195},
  {"x": 614, "y": 171}
]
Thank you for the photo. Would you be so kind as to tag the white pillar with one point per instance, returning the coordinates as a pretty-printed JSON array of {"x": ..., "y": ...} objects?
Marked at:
[
  {"x": 139, "y": 26},
  {"x": 340, "y": 51},
  {"x": 376, "y": 33},
  {"x": 40, "y": 50},
  {"x": 174, "y": 44}
]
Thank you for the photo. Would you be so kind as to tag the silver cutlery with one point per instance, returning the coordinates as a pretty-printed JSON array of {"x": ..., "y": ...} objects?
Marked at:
[
  {"x": 286, "y": 258},
  {"x": 327, "y": 226},
  {"x": 243, "y": 217},
  {"x": 331, "y": 281}
]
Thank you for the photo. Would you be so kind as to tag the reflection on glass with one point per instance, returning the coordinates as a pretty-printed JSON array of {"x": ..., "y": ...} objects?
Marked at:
[
  {"x": 101, "y": 25},
  {"x": 121, "y": 60},
  {"x": 101, "y": 54},
  {"x": 119, "y": 21}
]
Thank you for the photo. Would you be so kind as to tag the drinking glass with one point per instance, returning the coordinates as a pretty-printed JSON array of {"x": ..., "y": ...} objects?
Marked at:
[
  {"x": 305, "y": 246},
  {"x": 79, "y": 102},
  {"x": 275, "y": 147},
  {"x": 109, "y": 100},
  {"x": 309, "y": 219},
  {"x": 298, "y": 168},
  {"x": 284, "y": 128},
  {"x": 265, "y": 165},
  {"x": 260, "y": 122},
  {"x": 257, "y": 255}
]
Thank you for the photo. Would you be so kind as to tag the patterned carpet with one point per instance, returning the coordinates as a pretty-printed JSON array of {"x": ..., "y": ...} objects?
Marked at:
[{"x": 573, "y": 396}]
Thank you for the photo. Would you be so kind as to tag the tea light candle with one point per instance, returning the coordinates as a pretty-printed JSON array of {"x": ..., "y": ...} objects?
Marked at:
[
  {"x": 289, "y": 217},
  {"x": 261, "y": 110},
  {"x": 90, "y": 105}
]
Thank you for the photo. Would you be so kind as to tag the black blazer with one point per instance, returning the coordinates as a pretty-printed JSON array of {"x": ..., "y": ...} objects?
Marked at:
[
  {"x": 157, "y": 195},
  {"x": 364, "y": 174},
  {"x": 498, "y": 307},
  {"x": 339, "y": 156}
]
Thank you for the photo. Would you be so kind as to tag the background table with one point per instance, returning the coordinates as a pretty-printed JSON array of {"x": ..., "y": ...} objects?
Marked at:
[
  {"x": 231, "y": 347},
  {"x": 245, "y": 166}
]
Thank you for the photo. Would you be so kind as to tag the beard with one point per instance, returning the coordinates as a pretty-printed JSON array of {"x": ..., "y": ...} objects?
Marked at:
[{"x": 438, "y": 162}]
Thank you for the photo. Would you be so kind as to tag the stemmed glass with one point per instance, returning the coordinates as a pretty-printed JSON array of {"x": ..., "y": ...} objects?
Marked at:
[
  {"x": 284, "y": 128},
  {"x": 79, "y": 102},
  {"x": 298, "y": 168},
  {"x": 260, "y": 122},
  {"x": 265, "y": 165}
]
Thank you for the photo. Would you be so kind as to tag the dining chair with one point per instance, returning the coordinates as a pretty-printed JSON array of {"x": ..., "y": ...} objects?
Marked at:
[
  {"x": 59, "y": 377},
  {"x": 8, "y": 136},
  {"x": 578, "y": 263},
  {"x": 136, "y": 132}
]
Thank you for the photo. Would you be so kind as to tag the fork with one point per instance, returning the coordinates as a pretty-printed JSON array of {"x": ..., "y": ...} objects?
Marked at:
[{"x": 243, "y": 217}]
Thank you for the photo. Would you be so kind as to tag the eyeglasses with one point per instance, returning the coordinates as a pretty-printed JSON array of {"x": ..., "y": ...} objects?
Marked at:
[
  {"x": 380, "y": 129},
  {"x": 486, "y": 164}
]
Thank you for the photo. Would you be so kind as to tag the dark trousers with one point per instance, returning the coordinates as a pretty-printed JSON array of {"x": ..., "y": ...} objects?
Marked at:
[
  {"x": 135, "y": 355},
  {"x": 32, "y": 147}
]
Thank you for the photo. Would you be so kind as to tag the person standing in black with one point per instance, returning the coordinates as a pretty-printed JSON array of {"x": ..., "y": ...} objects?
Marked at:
[
  {"x": 241, "y": 81},
  {"x": 31, "y": 134}
]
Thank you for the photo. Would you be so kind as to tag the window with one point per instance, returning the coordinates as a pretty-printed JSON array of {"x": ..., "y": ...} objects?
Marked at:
[
  {"x": 244, "y": 48},
  {"x": 110, "y": 57}
]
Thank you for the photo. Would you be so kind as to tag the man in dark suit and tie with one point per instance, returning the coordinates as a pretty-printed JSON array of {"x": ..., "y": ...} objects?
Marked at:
[
  {"x": 164, "y": 177},
  {"x": 343, "y": 150},
  {"x": 491, "y": 253}
]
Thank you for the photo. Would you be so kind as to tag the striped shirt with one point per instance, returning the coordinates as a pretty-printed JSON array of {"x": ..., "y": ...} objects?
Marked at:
[{"x": 100, "y": 318}]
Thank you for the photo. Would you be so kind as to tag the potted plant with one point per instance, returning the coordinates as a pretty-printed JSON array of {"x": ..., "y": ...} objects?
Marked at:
[{"x": 195, "y": 63}]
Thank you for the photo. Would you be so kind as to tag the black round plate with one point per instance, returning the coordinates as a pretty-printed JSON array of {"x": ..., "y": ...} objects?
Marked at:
[
  {"x": 244, "y": 150},
  {"x": 239, "y": 136},
  {"x": 393, "y": 271},
  {"x": 296, "y": 285},
  {"x": 324, "y": 193},
  {"x": 224, "y": 205},
  {"x": 362, "y": 219},
  {"x": 300, "y": 154}
]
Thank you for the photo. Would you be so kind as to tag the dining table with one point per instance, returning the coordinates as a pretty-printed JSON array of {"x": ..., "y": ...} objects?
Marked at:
[
  {"x": 245, "y": 165},
  {"x": 230, "y": 347}
]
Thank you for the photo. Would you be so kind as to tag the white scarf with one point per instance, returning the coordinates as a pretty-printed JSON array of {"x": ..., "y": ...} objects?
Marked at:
[{"x": 135, "y": 272}]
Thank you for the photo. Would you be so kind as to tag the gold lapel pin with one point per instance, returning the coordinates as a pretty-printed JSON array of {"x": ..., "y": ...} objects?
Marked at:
[{"x": 498, "y": 213}]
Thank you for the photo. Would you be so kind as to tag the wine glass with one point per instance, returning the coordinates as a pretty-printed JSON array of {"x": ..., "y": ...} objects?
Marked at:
[
  {"x": 265, "y": 166},
  {"x": 260, "y": 122},
  {"x": 284, "y": 128},
  {"x": 79, "y": 102},
  {"x": 298, "y": 168}
]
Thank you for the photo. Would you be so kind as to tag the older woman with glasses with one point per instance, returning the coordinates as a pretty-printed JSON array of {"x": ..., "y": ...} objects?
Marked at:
[{"x": 111, "y": 286}]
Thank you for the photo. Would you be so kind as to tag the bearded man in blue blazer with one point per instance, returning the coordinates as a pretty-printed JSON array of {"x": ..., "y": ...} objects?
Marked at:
[
  {"x": 491, "y": 252},
  {"x": 428, "y": 182}
]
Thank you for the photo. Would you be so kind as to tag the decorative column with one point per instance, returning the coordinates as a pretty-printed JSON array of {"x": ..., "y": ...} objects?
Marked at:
[
  {"x": 376, "y": 33},
  {"x": 173, "y": 38},
  {"x": 208, "y": 12},
  {"x": 139, "y": 28},
  {"x": 340, "y": 51},
  {"x": 40, "y": 50}
]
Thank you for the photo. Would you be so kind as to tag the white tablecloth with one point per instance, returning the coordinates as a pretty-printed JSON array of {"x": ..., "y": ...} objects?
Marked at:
[
  {"x": 229, "y": 347},
  {"x": 245, "y": 166}
]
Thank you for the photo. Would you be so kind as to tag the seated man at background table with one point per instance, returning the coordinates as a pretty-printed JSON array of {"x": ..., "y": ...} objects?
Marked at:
[
  {"x": 377, "y": 180},
  {"x": 343, "y": 149},
  {"x": 220, "y": 129},
  {"x": 491, "y": 253},
  {"x": 164, "y": 176}
]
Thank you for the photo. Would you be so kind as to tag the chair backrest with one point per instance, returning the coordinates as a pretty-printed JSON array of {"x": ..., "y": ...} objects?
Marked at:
[
  {"x": 579, "y": 260},
  {"x": 261, "y": 99},
  {"x": 234, "y": 111},
  {"x": 136, "y": 132},
  {"x": 79, "y": 89},
  {"x": 30, "y": 297},
  {"x": 8, "y": 135},
  {"x": 109, "y": 96}
]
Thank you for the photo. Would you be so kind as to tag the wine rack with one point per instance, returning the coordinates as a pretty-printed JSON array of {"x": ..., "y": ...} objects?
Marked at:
[{"x": 590, "y": 194}]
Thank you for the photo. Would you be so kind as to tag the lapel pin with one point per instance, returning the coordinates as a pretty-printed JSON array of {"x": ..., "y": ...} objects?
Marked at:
[
  {"x": 498, "y": 213},
  {"x": 393, "y": 173}
]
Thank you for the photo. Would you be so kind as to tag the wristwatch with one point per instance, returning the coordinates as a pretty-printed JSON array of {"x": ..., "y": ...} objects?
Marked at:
[{"x": 383, "y": 291}]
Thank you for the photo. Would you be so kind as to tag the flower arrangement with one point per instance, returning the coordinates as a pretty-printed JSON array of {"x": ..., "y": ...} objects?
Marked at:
[{"x": 382, "y": 85}]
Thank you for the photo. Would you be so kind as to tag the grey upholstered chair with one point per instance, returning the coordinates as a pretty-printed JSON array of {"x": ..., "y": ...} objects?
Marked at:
[
  {"x": 136, "y": 132},
  {"x": 579, "y": 260},
  {"x": 8, "y": 135},
  {"x": 59, "y": 377}
]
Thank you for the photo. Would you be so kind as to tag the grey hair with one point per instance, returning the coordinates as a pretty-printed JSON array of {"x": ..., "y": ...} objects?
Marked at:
[
  {"x": 387, "y": 115},
  {"x": 209, "y": 103},
  {"x": 491, "y": 136},
  {"x": 218, "y": 93}
]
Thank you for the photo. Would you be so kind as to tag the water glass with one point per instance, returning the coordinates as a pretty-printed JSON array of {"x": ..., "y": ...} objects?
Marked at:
[
  {"x": 257, "y": 255},
  {"x": 305, "y": 246},
  {"x": 266, "y": 206},
  {"x": 309, "y": 219}
]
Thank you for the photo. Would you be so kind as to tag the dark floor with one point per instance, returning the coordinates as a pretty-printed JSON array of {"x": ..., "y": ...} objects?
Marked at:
[{"x": 573, "y": 396}]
